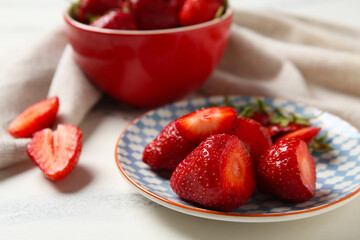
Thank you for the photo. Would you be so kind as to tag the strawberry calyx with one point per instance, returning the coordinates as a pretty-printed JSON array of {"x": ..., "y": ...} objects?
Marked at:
[{"x": 320, "y": 143}]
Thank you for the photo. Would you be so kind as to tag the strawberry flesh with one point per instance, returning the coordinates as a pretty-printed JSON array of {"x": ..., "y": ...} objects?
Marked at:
[
  {"x": 34, "y": 118},
  {"x": 198, "y": 125},
  {"x": 218, "y": 174},
  {"x": 168, "y": 149},
  {"x": 56, "y": 153},
  {"x": 307, "y": 134},
  {"x": 254, "y": 135},
  {"x": 287, "y": 171}
]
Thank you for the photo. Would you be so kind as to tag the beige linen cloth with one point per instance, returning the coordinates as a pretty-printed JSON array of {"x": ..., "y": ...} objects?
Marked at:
[{"x": 269, "y": 54}]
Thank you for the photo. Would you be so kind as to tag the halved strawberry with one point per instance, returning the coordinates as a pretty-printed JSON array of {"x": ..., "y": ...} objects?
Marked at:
[
  {"x": 168, "y": 149},
  {"x": 306, "y": 134},
  {"x": 218, "y": 174},
  {"x": 287, "y": 170},
  {"x": 56, "y": 152},
  {"x": 34, "y": 118},
  {"x": 198, "y": 125},
  {"x": 254, "y": 135}
]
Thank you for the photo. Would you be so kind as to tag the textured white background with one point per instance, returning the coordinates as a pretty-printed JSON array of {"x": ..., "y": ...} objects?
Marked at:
[{"x": 94, "y": 201}]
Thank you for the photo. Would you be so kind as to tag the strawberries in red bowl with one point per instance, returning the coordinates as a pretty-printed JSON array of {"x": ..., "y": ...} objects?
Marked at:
[{"x": 157, "y": 64}]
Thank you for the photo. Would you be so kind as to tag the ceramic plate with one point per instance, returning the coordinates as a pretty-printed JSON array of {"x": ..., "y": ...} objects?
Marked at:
[{"x": 337, "y": 171}]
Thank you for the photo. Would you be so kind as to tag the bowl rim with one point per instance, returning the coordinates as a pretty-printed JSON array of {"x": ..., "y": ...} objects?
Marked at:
[{"x": 72, "y": 22}]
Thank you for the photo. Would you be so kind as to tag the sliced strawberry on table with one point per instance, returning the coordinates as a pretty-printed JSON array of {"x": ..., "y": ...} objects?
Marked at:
[
  {"x": 153, "y": 14},
  {"x": 56, "y": 153},
  {"x": 115, "y": 19},
  {"x": 254, "y": 135},
  {"x": 198, "y": 125},
  {"x": 306, "y": 134},
  {"x": 199, "y": 11},
  {"x": 218, "y": 174},
  {"x": 34, "y": 118},
  {"x": 287, "y": 171},
  {"x": 168, "y": 149}
]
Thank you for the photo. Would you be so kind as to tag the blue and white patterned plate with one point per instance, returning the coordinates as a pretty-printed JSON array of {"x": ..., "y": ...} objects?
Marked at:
[{"x": 337, "y": 171}]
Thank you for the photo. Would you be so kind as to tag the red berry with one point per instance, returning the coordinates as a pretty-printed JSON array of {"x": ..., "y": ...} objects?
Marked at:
[
  {"x": 34, "y": 118},
  {"x": 88, "y": 8},
  {"x": 153, "y": 14},
  {"x": 198, "y": 125},
  {"x": 198, "y": 11},
  {"x": 276, "y": 130},
  {"x": 177, "y": 4},
  {"x": 115, "y": 19},
  {"x": 261, "y": 118},
  {"x": 168, "y": 149},
  {"x": 254, "y": 136},
  {"x": 306, "y": 134},
  {"x": 218, "y": 174},
  {"x": 287, "y": 170},
  {"x": 56, "y": 152}
]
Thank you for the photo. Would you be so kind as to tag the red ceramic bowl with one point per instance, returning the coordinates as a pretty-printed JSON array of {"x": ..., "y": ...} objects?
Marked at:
[{"x": 149, "y": 68}]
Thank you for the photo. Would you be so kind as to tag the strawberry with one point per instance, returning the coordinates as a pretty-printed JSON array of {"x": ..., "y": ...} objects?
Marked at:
[
  {"x": 153, "y": 14},
  {"x": 199, "y": 11},
  {"x": 168, "y": 149},
  {"x": 56, "y": 152},
  {"x": 254, "y": 135},
  {"x": 36, "y": 117},
  {"x": 86, "y": 9},
  {"x": 115, "y": 19},
  {"x": 287, "y": 170},
  {"x": 177, "y": 4},
  {"x": 198, "y": 125},
  {"x": 218, "y": 174},
  {"x": 306, "y": 134},
  {"x": 276, "y": 130},
  {"x": 261, "y": 118}
]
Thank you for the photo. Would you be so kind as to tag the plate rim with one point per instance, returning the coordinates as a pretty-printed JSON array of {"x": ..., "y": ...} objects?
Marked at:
[{"x": 231, "y": 216}]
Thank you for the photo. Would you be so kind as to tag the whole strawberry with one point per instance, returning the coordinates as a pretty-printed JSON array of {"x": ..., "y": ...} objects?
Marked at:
[
  {"x": 115, "y": 19},
  {"x": 287, "y": 170},
  {"x": 168, "y": 149},
  {"x": 153, "y": 14},
  {"x": 199, "y": 11},
  {"x": 218, "y": 174},
  {"x": 177, "y": 4},
  {"x": 90, "y": 8}
]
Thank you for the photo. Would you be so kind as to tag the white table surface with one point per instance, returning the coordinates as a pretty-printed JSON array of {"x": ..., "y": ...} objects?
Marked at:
[{"x": 94, "y": 201}]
